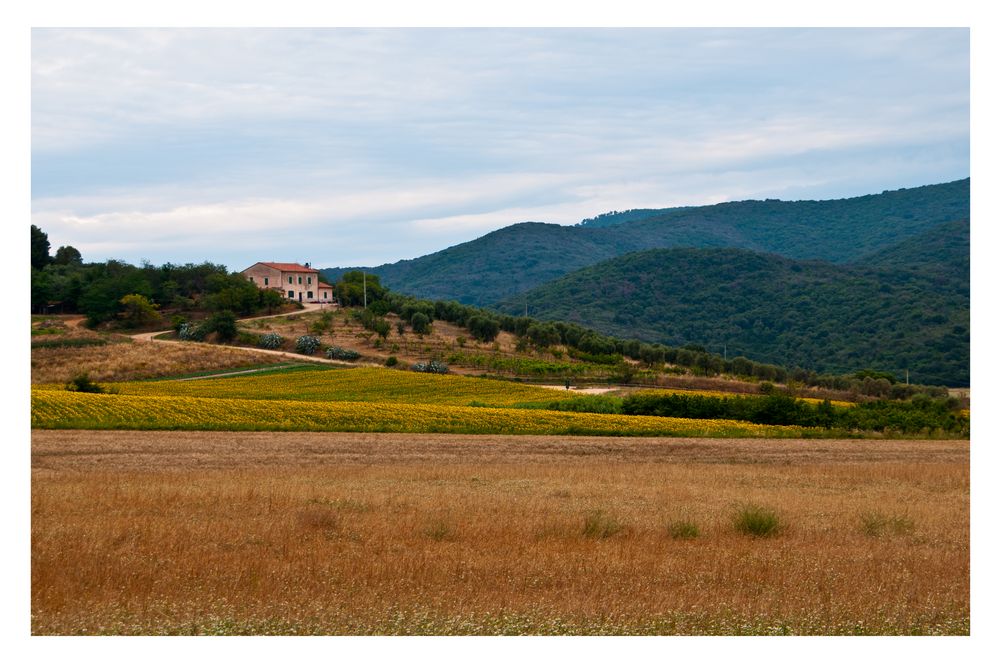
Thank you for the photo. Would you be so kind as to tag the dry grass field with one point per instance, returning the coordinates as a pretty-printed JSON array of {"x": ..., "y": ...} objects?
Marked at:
[
  {"x": 344, "y": 533},
  {"x": 127, "y": 360}
]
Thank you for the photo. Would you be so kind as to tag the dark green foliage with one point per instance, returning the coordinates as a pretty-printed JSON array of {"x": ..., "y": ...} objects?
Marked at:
[
  {"x": 352, "y": 286},
  {"x": 223, "y": 324},
  {"x": 39, "y": 248},
  {"x": 137, "y": 310},
  {"x": 82, "y": 383},
  {"x": 391, "y": 361},
  {"x": 921, "y": 414},
  {"x": 67, "y": 256},
  {"x": 517, "y": 258},
  {"x": 420, "y": 323},
  {"x": 827, "y": 318},
  {"x": 483, "y": 328},
  {"x": 67, "y": 285}
]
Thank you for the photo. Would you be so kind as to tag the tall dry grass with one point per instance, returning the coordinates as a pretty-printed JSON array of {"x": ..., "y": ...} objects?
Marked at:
[
  {"x": 267, "y": 533},
  {"x": 134, "y": 361}
]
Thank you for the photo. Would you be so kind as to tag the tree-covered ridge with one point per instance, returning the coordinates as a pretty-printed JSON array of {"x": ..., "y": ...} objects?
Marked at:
[
  {"x": 616, "y": 217},
  {"x": 813, "y": 314},
  {"x": 520, "y": 257}
]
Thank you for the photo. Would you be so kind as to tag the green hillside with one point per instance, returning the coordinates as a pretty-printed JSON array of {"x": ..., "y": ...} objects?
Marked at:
[
  {"x": 896, "y": 313},
  {"x": 520, "y": 257}
]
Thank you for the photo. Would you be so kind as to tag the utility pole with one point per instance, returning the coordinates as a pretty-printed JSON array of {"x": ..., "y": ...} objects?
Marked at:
[
  {"x": 907, "y": 376},
  {"x": 725, "y": 352},
  {"x": 364, "y": 286},
  {"x": 525, "y": 306}
]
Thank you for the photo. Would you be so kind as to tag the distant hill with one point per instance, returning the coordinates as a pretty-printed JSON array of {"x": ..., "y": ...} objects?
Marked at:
[
  {"x": 905, "y": 307},
  {"x": 517, "y": 258}
]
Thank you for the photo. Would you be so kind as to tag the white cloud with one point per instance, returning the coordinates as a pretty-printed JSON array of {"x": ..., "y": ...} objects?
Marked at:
[{"x": 219, "y": 139}]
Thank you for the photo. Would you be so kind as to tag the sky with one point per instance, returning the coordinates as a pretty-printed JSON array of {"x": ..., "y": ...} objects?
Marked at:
[{"x": 348, "y": 147}]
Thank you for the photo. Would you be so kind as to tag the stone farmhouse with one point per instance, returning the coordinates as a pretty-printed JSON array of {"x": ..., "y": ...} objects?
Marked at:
[{"x": 295, "y": 282}]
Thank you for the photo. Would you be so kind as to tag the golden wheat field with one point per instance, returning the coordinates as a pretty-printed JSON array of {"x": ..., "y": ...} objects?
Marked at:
[{"x": 155, "y": 532}]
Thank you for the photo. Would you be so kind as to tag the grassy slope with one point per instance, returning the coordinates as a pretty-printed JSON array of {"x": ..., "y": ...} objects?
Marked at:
[{"x": 519, "y": 257}]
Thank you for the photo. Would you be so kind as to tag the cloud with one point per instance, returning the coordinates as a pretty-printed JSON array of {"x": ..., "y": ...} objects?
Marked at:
[{"x": 378, "y": 144}]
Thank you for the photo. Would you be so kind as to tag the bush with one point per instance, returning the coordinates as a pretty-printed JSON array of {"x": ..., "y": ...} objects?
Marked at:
[
  {"x": 82, "y": 383},
  {"x": 391, "y": 361},
  {"x": 431, "y": 367},
  {"x": 756, "y": 521},
  {"x": 338, "y": 353},
  {"x": 307, "y": 344},
  {"x": 223, "y": 323},
  {"x": 191, "y": 332},
  {"x": 271, "y": 340}
]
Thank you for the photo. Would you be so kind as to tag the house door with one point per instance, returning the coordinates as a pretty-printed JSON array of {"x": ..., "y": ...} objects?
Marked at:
[{"x": 300, "y": 296}]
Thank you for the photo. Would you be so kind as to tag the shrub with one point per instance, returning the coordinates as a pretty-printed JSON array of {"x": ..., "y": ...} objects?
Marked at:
[
  {"x": 271, "y": 340},
  {"x": 307, "y": 344},
  {"x": 338, "y": 353},
  {"x": 391, "y": 361},
  {"x": 431, "y": 367},
  {"x": 683, "y": 529},
  {"x": 599, "y": 525},
  {"x": 191, "y": 332},
  {"x": 756, "y": 521},
  {"x": 223, "y": 323},
  {"x": 82, "y": 383}
]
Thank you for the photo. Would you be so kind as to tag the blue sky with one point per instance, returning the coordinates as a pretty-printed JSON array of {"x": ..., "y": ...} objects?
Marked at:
[{"x": 359, "y": 147}]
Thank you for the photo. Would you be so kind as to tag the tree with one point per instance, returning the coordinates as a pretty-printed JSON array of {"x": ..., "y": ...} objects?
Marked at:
[
  {"x": 420, "y": 322},
  {"x": 39, "y": 248},
  {"x": 271, "y": 300},
  {"x": 137, "y": 310},
  {"x": 67, "y": 256},
  {"x": 223, "y": 323}
]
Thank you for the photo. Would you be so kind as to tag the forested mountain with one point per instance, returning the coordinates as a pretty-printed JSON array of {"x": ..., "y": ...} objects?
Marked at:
[
  {"x": 520, "y": 257},
  {"x": 903, "y": 308}
]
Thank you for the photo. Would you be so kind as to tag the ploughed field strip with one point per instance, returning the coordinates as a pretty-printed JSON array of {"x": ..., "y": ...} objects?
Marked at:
[{"x": 179, "y": 532}]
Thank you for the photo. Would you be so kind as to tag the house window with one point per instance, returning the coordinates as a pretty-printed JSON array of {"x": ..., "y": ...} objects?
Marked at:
[
  {"x": 290, "y": 280},
  {"x": 251, "y": 279},
  {"x": 300, "y": 280},
  {"x": 325, "y": 294},
  {"x": 265, "y": 281},
  {"x": 291, "y": 295},
  {"x": 309, "y": 295},
  {"x": 309, "y": 280}
]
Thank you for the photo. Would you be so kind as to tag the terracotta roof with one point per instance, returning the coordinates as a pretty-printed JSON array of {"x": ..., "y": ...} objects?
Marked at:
[{"x": 289, "y": 267}]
